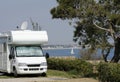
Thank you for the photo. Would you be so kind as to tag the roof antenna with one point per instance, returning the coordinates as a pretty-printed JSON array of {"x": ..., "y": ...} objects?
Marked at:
[{"x": 35, "y": 25}]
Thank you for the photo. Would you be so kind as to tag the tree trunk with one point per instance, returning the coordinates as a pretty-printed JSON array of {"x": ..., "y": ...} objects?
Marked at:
[
  {"x": 116, "y": 56},
  {"x": 105, "y": 55}
]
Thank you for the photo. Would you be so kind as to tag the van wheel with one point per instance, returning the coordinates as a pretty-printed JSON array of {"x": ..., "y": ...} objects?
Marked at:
[
  {"x": 15, "y": 73},
  {"x": 43, "y": 74}
]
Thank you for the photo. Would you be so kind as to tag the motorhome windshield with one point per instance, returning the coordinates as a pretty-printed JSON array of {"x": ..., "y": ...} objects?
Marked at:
[{"x": 28, "y": 51}]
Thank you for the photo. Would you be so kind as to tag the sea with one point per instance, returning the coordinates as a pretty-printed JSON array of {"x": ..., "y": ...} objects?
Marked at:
[{"x": 77, "y": 53}]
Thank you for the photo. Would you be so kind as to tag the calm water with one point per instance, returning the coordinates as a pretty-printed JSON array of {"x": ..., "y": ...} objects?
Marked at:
[
  {"x": 67, "y": 52},
  {"x": 62, "y": 52}
]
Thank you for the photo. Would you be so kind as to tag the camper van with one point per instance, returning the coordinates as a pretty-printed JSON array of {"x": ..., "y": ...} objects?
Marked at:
[{"x": 21, "y": 52}]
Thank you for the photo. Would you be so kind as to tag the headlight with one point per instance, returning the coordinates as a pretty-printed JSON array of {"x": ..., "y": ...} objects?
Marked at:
[
  {"x": 22, "y": 64},
  {"x": 44, "y": 64}
]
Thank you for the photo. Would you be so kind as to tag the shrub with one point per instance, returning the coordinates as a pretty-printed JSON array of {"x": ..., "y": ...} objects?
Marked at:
[
  {"x": 69, "y": 65},
  {"x": 109, "y": 72}
]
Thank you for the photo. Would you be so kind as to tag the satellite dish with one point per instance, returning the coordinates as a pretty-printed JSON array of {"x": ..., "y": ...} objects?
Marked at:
[{"x": 24, "y": 25}]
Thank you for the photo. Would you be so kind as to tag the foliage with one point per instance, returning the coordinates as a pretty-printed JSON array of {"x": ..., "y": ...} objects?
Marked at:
[
  {"x": 109, "y": 72},
  {"x": 74, "y": 66},
  {"x": 89, "y": 54},
  {"x": 95, "y": 21}
]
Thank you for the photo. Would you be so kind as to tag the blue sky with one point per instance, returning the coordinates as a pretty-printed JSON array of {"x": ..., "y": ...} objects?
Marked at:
[{"x": 14, "y": 12}]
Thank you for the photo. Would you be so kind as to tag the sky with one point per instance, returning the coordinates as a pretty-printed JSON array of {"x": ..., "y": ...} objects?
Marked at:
[{"x": 14, "y": 12}]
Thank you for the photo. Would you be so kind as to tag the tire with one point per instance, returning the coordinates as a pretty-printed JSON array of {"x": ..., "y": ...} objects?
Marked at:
[
  {"x": 15, "y": 72},
  {"x": 43, "y": 74}
]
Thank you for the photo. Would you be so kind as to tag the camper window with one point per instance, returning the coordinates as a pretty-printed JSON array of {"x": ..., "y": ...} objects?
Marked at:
[
  {"x": 28, "y": 51},
  {"x": 5, "y": 47},
  {"x": 12, "y": 55}
]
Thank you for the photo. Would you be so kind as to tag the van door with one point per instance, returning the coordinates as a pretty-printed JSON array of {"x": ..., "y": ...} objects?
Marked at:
[{"x": 12, "y": 58}]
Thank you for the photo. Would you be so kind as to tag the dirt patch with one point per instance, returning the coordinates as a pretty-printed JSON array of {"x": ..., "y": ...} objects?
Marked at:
[
  {"x": 79, "y": 80},
  {"x": 48, "y": 79}
]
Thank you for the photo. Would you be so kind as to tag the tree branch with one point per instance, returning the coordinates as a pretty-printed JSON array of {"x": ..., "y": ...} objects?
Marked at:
[
  {"x": 101, "y": 27},
  {"x": 108, "y": 30}
]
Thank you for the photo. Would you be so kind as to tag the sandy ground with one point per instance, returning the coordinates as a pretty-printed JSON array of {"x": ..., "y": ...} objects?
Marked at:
[{"x": 48, "y": 79}]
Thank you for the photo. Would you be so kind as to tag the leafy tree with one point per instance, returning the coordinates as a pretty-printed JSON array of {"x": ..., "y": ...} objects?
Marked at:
[{"x": 96, "y": 22}]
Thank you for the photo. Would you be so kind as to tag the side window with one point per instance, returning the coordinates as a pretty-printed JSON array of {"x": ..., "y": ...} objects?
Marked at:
[
  {"x": 11, "y": 56},
  {"x": 5, "y": 47},
  {"x": 1, "y": 48},
  {"x": 12, "y": 51}
]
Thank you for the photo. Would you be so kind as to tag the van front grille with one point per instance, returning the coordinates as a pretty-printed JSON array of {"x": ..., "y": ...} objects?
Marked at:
[
  {"x": 33, "y": 69},
  {"x": 33, "y": 65}
]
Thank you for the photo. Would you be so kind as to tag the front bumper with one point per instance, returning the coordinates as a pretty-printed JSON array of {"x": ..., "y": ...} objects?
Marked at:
[{"x": 31, "y": 70}]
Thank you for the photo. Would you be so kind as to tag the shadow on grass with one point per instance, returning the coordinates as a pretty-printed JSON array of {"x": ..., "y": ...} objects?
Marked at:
[{"x": 6, "y": 75}]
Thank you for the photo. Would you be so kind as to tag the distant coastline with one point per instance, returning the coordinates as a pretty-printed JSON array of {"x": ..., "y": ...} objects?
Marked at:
[
  {"x": 50, "y": 48},
  {"x": 60, "y": 46},
  {"x": 66, "y": 52}
]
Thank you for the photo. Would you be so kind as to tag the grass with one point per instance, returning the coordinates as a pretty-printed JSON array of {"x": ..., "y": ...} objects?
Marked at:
[
  {"x": 59, "y": 76},
  {"x": 52, "y": 73},
  {"x": 70, "y": 75},
  {"x": 64, "y": 74},
  {"x": 5, "y": 76},
  {"x": 57, "y": 73}
]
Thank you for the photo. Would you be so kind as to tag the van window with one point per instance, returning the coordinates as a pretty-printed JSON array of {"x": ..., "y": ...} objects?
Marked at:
[
  {"x": 5, "y": 47},
  {"x": 29, "y": 51},
  {"x": 1, "y": 48},
  {"x": 12, "y": 51}
]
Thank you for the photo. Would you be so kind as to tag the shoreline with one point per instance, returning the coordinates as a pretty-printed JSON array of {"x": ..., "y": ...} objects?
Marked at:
[{"x": 61, "y": 48}]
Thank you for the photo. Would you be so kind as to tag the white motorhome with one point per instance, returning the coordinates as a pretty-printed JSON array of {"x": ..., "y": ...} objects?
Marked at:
[{"x": 21, "y": 53}]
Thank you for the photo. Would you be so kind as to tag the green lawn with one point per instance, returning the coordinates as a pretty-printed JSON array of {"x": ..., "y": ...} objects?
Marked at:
[
  {"x": 64, "y": 74},
  {"x": 50, "y": 73}
]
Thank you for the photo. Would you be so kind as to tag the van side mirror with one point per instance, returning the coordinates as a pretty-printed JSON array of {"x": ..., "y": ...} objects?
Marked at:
[
  {"x": 47, "y": 55},
  {"x": 11, "y": 56}
]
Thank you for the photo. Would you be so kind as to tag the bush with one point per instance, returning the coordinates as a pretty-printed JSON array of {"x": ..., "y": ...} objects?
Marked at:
[
  {"x": 109, "y": 72},
  {"x": 71, "y": 65}
]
